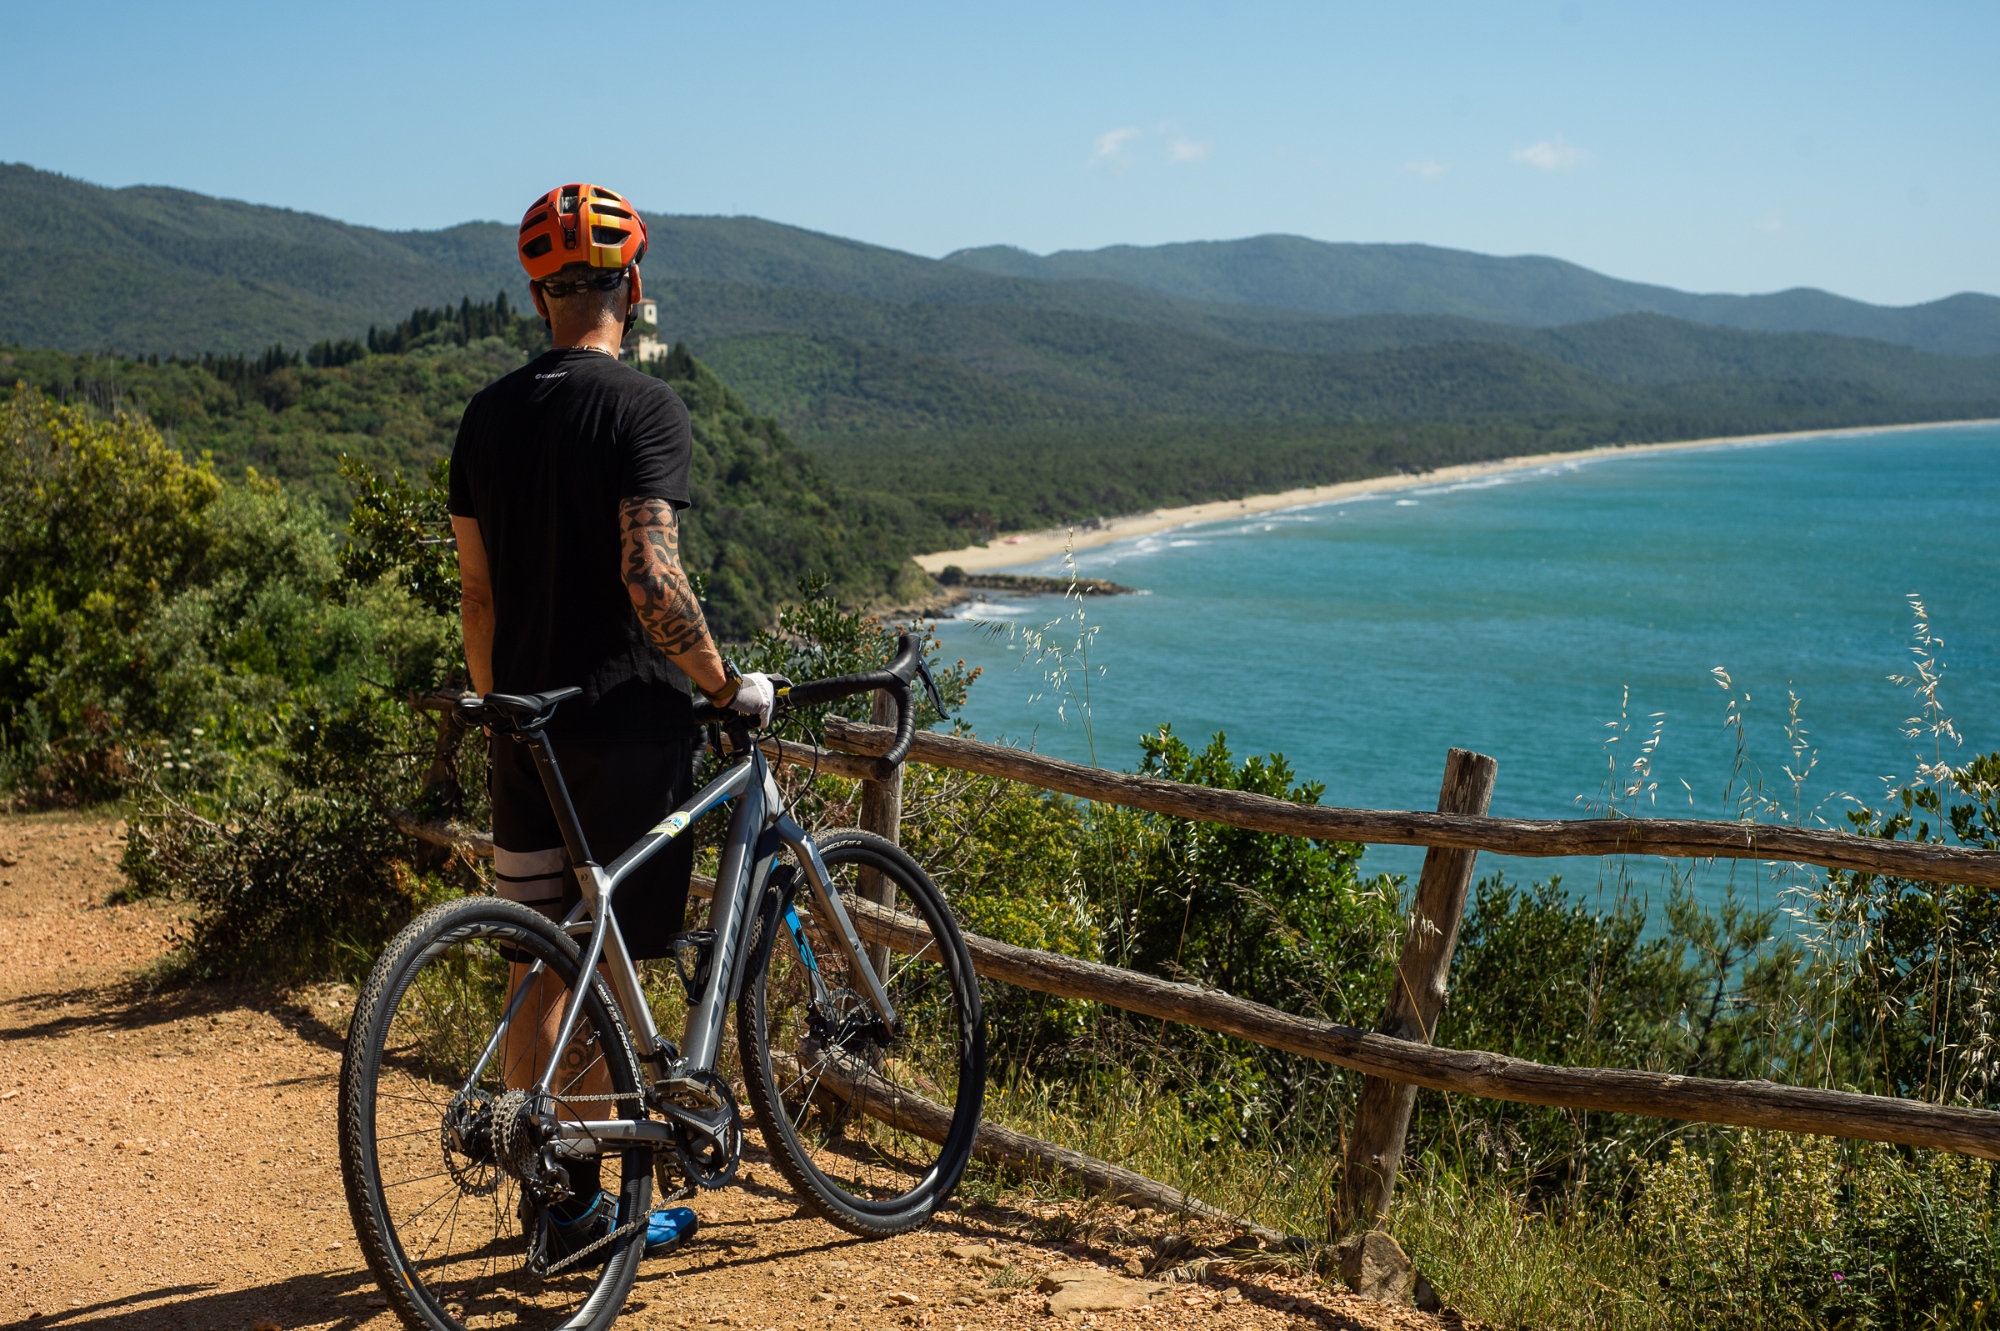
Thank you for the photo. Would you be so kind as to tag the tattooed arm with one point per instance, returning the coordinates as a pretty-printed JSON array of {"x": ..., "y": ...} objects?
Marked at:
[
  {"x": 660, "y": 591},
  {"x": 475, "y": 602}
]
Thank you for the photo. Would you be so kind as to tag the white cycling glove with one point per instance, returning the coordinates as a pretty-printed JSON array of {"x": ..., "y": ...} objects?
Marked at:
[{"x": 755, "y": 696}]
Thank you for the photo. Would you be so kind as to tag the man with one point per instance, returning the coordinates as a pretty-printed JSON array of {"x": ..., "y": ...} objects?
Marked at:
[{"x": 566, "y": 481}]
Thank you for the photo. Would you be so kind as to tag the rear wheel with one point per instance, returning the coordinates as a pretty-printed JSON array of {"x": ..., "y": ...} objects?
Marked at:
[
  {"x": 874, "y": 1127},
  {"x": 447, "y": 1182}
]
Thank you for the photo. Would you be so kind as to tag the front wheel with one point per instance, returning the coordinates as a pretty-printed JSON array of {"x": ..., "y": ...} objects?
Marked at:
[
  {"x": 873, "y": 1126},
  {"x": 451, "y": 1190}
]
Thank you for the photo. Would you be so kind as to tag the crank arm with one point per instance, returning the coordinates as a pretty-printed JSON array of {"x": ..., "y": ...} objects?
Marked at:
[
  {"x": 645, "y": 1129},
  {"x": 589, "y": 1138}
]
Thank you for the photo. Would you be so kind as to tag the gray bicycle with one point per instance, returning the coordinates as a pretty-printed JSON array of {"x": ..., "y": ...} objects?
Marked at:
[{"x": 493, "y": 1052}]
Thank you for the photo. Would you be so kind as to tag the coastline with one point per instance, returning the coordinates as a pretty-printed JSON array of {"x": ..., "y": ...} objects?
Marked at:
[{"x": 1033, "y": 547}]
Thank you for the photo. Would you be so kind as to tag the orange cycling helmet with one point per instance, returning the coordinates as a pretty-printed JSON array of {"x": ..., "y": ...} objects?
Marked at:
[{"x": 580, "y": 224}]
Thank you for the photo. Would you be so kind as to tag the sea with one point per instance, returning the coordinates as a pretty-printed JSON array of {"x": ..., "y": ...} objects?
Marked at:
[{"x": 1674, "y": 633}]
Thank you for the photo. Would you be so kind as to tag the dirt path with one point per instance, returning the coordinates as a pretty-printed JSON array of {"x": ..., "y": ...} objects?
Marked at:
[{"x": 168, "y": 1160}]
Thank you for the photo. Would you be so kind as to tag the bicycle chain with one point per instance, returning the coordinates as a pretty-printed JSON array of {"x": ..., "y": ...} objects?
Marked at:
[{"x": 629, "y": 1227}]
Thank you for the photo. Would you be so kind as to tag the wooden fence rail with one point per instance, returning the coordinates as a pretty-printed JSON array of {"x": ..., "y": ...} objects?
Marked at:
[
  {"x": 1682, "y": 837},
  {"x": 1750, "y": 1104}
]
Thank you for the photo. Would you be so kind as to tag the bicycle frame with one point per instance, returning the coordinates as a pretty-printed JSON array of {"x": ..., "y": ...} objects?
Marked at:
[{"x": 759, "y": 828}]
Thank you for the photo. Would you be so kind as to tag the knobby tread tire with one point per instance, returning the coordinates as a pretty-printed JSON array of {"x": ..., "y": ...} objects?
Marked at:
[
  {"x": 373, "y": 1009},
  {"x": 852, "y": 846}
]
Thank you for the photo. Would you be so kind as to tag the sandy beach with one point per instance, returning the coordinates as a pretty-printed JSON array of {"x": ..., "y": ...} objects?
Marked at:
[{"x": 1032, "y": 547}]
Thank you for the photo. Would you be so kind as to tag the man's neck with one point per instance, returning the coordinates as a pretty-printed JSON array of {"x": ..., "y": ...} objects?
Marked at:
[{"x": 607, "y": 338}]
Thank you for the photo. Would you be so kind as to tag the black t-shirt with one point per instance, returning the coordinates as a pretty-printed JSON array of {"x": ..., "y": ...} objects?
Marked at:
[{"x": 543, "y": 458}]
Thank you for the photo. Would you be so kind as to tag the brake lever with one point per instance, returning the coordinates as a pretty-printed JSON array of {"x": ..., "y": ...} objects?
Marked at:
[{"x": 930, "y": 687}]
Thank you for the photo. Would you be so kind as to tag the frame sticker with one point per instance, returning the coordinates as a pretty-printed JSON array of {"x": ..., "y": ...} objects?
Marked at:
[{"x": 675, "y": 824}]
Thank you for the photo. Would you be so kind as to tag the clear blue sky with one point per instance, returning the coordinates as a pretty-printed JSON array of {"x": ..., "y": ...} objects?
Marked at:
[{"x": 1709, "y": 146}]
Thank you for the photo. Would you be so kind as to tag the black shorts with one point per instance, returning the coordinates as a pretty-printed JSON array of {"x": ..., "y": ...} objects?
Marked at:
[{"x": 621, "y": 788}]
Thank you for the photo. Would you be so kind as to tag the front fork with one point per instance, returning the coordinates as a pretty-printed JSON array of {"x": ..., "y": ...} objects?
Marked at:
[{"x": 827, "y": 900}]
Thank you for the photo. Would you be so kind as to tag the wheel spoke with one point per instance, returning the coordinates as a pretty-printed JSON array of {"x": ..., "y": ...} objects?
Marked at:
[{"x": 915, "y": 957}]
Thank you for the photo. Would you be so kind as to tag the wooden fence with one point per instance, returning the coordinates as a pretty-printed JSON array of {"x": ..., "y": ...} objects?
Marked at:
[{"x": 1397, "y": 1057}]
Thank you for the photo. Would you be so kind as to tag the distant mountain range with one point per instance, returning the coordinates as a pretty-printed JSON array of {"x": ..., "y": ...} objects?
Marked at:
[
  {"x": 1291, "y": 272},
  {"x": 153, "y": 269},
  {"x": 852, "y": 345}
]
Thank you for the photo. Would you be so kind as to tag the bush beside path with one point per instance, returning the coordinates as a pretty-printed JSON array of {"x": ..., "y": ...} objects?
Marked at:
[{"x": 169, "y": 1162}]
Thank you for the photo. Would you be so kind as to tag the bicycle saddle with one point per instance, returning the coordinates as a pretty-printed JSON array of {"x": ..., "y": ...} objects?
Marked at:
[{"x": 523, "y": 711}]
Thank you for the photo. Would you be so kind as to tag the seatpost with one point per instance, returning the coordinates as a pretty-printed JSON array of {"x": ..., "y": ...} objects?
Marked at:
[{"x": 558, "y": 792}]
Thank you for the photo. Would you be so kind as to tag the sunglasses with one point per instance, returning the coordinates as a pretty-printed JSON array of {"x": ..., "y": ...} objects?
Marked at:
[{"x": 606, "y": 281}]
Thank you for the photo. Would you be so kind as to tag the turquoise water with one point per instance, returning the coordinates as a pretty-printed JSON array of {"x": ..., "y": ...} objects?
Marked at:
[{"x": 1512, "y": 615}]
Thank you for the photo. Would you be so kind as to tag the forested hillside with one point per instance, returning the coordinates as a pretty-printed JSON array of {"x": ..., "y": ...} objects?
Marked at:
[
  {"x": 975, "y": 483},
  {"x": 842, "y": 364},
  {"x": 155, "y": 270},
  {"x": 765, "y": 516}
]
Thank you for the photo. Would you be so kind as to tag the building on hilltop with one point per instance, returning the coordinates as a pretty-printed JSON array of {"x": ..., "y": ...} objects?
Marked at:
[{"x": 645, "y": 344}]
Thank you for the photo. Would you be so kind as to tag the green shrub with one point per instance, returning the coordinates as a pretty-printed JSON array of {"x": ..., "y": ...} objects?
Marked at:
[
  {"x": 286, "y": 849},
  {"x": 1904, "y": 975},
  {"x": 1276, "y": 919},
  {"x": 1766, "y": 1229},
  {"x": 300, "y": 884},
  {"x": 144, "y": 602},
  {"x": 99, "y": 520}
]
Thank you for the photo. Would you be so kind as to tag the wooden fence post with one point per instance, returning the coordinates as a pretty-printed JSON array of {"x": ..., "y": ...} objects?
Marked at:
[
  {"x": 882, "y": 814},
  {"x": 1382, "y": 1118}
]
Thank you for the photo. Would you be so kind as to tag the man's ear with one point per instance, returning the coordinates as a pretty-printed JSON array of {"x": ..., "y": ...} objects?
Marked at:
[
  {"x": 638, "y": 287},
  {"x": 541, "y": 302}
]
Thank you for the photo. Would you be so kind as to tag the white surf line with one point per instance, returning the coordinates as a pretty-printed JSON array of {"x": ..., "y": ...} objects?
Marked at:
[{"x": 1034, "y": 547}]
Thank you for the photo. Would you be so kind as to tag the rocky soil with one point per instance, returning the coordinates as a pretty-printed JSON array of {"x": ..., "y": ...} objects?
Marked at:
[{"x": 168, "y": 1160}]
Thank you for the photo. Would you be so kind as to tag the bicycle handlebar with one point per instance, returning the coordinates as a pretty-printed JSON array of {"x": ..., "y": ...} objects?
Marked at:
[{"x": 895, "y": 678}]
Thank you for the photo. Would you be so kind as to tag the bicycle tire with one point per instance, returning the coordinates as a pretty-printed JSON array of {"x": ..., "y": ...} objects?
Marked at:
[
  {"x": 935, "y": 1066},
  {"x": 435, "y": 1295}
]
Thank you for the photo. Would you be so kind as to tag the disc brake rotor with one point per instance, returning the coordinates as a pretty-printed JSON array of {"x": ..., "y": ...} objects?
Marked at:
[{"x": 466, "y": 1136}]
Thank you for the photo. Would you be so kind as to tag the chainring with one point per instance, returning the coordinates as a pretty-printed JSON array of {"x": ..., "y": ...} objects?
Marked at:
[{"x": 710, "y": 1164}]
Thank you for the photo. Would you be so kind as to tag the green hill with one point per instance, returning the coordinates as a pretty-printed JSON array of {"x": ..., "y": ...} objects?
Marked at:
[
  {"x": 765, "y": 514},
  {"x": 154, "y": 270},
  {"x": 1293, "y": 272},
  {"x": 837, "y": 364}
]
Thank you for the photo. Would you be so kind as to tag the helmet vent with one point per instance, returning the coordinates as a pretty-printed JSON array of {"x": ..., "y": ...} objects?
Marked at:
[
  {"x": 537, "y": 247},
  {"x": 607, "y": 235},
  {"x": 535, "y": 221}
]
